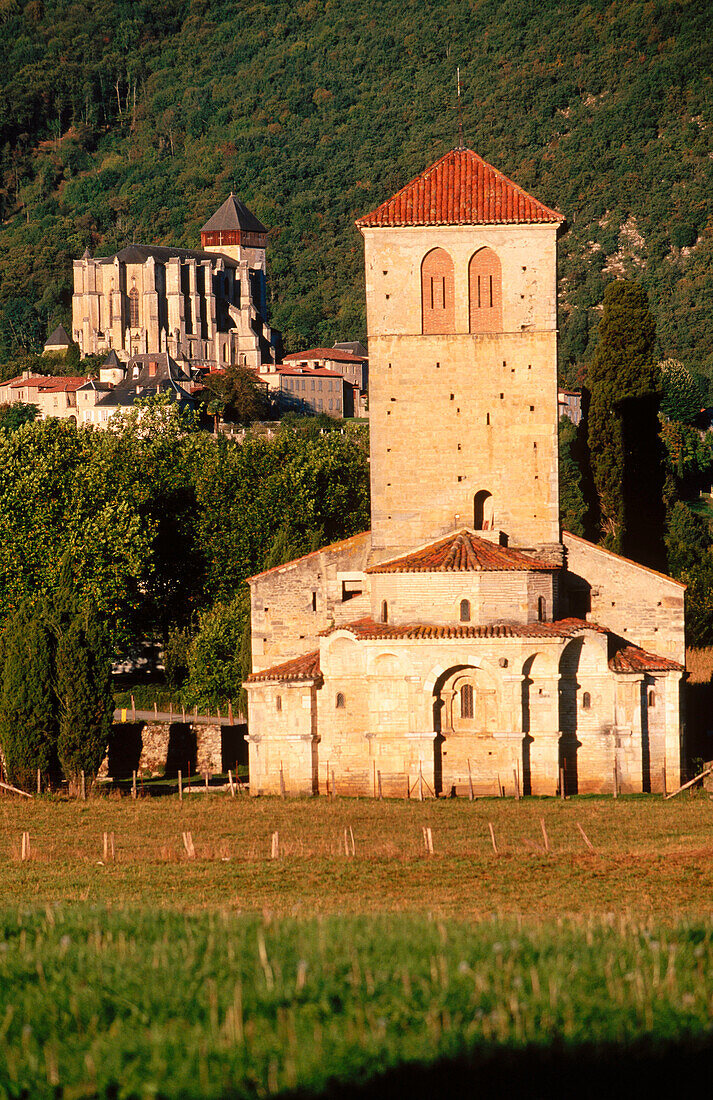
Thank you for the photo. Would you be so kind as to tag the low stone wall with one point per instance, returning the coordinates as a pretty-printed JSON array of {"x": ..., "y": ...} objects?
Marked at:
[{"x": 163, "y": 748}]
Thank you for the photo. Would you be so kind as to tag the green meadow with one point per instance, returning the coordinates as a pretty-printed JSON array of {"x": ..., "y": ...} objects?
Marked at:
[{"x": 236, "y": 973}]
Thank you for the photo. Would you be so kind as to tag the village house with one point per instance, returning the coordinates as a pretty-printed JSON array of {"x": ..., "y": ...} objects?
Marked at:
[{"x": 465, "y": 643}]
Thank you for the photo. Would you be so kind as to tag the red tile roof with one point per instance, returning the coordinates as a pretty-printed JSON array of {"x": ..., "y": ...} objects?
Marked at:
[
  {"x": 459, "y": 553},
  {"x": 623, "y": 657},
  {"x": 300, "y": 668},
  {"x": 335, "y": 354},
  {"x": 62, "y": 385},
  {"x": 630, "y": 658},
  {"x": 368, "y": 629},
  {"x": 33, "y": 381},
  {"x": 309, "y": 372},
  {"x": 460, "y": 189}
]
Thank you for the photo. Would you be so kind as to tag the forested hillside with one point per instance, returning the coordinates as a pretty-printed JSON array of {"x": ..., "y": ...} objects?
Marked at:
[{"x": 123, "y": 119}]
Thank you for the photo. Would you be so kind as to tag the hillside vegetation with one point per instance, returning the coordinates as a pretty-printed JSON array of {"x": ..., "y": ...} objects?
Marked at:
[{"x": 128, "y": 120}]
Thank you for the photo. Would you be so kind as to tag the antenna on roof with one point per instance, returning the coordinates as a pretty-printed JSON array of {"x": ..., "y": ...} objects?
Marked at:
[{"x": 460, "y": 114}]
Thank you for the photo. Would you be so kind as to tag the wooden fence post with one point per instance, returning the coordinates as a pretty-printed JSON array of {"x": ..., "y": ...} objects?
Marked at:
[
  {"x": 180, "y": 787},
  {"x": 470, "y": 783},
  {"x": 378, "y": 776},
  {"x": 133, "y": 785}
]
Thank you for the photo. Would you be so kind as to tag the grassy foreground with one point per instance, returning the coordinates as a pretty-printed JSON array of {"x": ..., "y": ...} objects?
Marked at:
[
  {"x": 386, "y": 973},
  {"x": 139, "y": 1004}
]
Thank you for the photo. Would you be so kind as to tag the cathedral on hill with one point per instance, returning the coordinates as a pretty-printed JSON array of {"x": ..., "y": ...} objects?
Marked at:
[
  {"x": 465, "y": 644},
  {"x": 205, "y": 307}
]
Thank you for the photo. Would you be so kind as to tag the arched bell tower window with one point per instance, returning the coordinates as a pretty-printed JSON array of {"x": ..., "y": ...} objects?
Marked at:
[
  {"x": 541, "y": 609},
  {"x": 384, "y": 612},
  {"x": 134, "y": 307},
  {"x": 437, "y": 292},
  {"x": 486, "y": 292},
  {"x": 483, "y": 511},
  {"x": 339, "y": 702},
  {"x": 465, "y": 611},
  {"x": 586, "y": 700},
  {"x": 466, "y": 701}
]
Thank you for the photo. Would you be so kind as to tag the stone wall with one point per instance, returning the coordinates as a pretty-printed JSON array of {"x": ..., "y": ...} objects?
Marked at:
[
  {"x": 291, "y": 604},
  {"x": 157, "y": 748},
  {"x": 641, "y": 605}
]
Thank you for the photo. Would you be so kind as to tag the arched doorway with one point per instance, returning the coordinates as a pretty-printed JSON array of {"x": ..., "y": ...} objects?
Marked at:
[
  {"x": 569, "y": 714},
  {"x": 465, "y": 715}
]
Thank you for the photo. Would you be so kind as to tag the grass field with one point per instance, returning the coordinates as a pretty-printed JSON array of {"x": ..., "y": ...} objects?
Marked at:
[{"x": 390, "y": 971}]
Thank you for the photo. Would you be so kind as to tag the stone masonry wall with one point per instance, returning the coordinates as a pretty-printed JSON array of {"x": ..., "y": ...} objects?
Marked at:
[{"x": 639, "y": 604}]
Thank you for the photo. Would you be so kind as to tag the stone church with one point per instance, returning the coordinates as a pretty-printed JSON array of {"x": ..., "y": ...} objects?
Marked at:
[
  {"x": 465, "y": 643},
  {"x": 206, "y": 307}
]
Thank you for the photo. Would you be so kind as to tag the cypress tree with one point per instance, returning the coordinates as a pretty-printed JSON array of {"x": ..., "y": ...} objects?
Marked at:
[
  {"x": 624, "y": 445},
  {"x": 84, "y": 694},
  {"x": 28, "y": 711}
]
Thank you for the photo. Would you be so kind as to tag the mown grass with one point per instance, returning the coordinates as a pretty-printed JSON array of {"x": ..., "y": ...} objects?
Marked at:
[
  {"x": 235, "y": 974},
  {"x": 651, "y": 856}
]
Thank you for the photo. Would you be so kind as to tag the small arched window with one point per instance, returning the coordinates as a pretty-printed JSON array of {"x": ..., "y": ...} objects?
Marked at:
[
  {"x": 465, "y": 611},
  {"x": 482, "y": 511},
  {"x": 486, "y": 295},
  {"x": 134, "y": 307},
  {"x": 437, "y": 292},
  {"x": 278, "y": 703},
  {"x": 652, "y": 698},
  {"x": 339, "y": 702},
  {"x": 541, "y": 609},
  {"x": 466, "y": 701},
  {"x": 384, "y": 612},
  {"x": 586, "y": 700}
]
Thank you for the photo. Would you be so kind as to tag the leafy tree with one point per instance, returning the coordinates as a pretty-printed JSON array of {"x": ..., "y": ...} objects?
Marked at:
[
  {"x": 214, "y": 662},
  {"x": 682, "y": 395},
  {"x": 236, "y": 395},
  {"x": 14, "y": 416},
  {"x": 573, "y": 506},
  {"x": 28, "y": 713},
  {"x": 626, "y": 453},
  {"x": 690, "y": 554},
  {"x": 84, "y": 694}
]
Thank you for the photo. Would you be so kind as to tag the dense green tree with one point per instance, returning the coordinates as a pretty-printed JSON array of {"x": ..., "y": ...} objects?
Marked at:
[
  {"x": 28, "y": 714},
  {"x": 85, "y": 702},
  {"x": 15, "y": 415},
  {"x": 682, "y": 396},
  {"x": 690, "y": 553},
  {"x": 624, "y": 445},
  {"x": 215, "y": 667},
  {"x": 236, "y": 395},
  {"x": 573, "y": 506}
]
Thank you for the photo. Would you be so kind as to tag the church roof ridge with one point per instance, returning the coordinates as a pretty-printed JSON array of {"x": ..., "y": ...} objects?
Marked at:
[
  {"x": 460, "y": 189},
  {"x": 461, "y": 552},
  {"x": 233, "y": 214}
]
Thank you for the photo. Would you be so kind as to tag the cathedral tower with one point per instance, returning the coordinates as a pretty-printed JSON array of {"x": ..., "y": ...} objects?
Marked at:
[{"x": 461, "y": 271}]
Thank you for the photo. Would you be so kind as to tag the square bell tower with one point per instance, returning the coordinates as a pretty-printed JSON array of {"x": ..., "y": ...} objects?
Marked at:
[{"x": 461, "y": 271}]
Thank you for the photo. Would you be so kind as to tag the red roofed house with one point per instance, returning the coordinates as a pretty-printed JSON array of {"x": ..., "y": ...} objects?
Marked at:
[
  {"x": 352, "y": 367},
  {"x": 53, "y": 395},
  {"x": 465, "y": 643}
]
